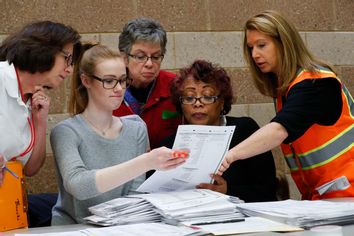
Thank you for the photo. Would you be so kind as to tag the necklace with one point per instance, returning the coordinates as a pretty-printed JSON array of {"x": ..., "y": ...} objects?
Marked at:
[{"x": 103, "y": 132}]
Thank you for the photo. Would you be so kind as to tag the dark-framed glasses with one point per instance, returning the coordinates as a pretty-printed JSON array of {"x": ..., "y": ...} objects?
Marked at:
[
  {"x": 68, "y": 58},
  {"x": 191, "y": 100},
  {"x": 142, "y": 58},
  {"x": 111, "y": 83}
]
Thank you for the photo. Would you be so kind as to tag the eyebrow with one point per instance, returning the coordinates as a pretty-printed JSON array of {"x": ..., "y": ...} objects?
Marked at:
[
  {"x": 123, "y": 75},
  {"x": 141, "y": 51}
]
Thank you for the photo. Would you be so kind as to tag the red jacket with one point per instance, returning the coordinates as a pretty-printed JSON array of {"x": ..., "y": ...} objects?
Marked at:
[{"x": 158, "y": 101}]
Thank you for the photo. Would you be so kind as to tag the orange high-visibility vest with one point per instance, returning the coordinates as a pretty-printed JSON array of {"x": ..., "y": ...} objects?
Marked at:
[{"x": 323, "y": 153}]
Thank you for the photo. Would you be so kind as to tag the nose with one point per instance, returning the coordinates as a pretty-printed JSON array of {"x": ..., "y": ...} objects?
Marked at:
[
  {"x": 69, "y": 69},
  {"x": 148, "y": 62},
  {"x": 117, "y": 88},
  {"x": 254, "y": 53},
  {"x": 198, "y": 103}
]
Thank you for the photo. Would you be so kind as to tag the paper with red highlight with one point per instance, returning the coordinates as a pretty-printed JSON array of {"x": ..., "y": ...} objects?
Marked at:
[{"x": 203, "y": 148}]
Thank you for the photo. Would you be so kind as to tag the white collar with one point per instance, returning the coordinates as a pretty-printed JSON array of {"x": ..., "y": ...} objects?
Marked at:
[{"x": 10, "y": 77}]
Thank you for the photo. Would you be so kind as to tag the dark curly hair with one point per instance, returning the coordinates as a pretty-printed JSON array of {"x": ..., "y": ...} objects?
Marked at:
[
  {"x": 206, "y": 72},
  {"x": 35, "y": 46}
]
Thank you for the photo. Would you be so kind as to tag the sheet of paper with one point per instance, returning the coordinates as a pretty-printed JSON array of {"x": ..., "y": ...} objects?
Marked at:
[
  {"x": 143, "y": 229},
  {"x": 250, "y": 225},
  {"x": 301, "y": 213},
  {"x": 176, "y": 201},
  {"x": 207, "y": 144}
]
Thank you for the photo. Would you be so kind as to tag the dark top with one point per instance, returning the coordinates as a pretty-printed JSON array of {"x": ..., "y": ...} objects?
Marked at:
[
  {"x": 312, "y": 101},
  {"x": 253, "y": 179}
]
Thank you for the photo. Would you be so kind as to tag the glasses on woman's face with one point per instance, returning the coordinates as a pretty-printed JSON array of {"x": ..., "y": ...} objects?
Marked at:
[
  {"x": 68, "y": 58},
  {"x": 111, "y": 82},
  {"x": 191, "y": 100},
  {"x": 142, "y": 58}
]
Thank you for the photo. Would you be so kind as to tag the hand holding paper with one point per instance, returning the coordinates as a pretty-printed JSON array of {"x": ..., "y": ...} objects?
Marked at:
[
  {"x": 163, "y": 159},
  {"x": 219, "y": 185}
]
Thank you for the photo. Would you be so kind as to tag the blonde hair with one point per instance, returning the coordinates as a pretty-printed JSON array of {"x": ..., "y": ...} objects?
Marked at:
[
  {"x": 291, "y": 52},
  {"x": 91, "y": 55}
]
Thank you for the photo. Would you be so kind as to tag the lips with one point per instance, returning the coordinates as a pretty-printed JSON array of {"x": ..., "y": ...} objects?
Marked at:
[
  {"x": 116, "y": 96},
  {"x": 148, "y": 75},
  {"x": 260, "y": 64},
  {"x": 199, "y": 115}
]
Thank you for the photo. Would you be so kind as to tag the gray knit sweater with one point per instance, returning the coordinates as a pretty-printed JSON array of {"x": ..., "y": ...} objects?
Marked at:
[{"x": 79, "y": 152}]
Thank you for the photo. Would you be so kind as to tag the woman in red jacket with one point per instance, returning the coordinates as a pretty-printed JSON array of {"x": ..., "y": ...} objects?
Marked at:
[{"x": 143, "y": 44}]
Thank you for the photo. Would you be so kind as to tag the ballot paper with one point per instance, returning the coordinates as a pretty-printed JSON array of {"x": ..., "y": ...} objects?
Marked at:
[
  {"x": 302, "y": 213},
  {"x": 193, "y": 206},
  {"x": 142, "y": 229},
  {"x": 207, "y": 147},
  {"x": 249, "y": 225}
]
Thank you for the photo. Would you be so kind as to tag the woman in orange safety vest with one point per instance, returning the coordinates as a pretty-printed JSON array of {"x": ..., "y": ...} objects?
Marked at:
[{"x": 314, "y": 123}]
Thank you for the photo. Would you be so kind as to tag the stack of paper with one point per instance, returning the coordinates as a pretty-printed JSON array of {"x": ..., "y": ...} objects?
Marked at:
[
  {"x": 302, "y": 213},
  {"x": 122, "y": 211},
  {"x": 189, "y": 206},
  {"x": 195, "y": 206}
]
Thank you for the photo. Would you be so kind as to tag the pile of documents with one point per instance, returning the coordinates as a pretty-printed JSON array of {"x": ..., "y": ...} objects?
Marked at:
[
  {"x": 188, "y": 207},
  {"x": 302, "y": 213}
]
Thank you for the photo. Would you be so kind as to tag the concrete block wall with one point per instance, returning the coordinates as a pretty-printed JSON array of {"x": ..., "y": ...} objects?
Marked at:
[{"x": 203, "y": 29}]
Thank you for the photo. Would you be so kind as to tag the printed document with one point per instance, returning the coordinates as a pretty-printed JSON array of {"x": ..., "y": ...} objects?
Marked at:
[{"x": 207, "y": 145}]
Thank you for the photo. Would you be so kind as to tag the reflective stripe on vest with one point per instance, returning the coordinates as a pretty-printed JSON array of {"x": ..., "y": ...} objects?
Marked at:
[
  {"x": 349, "y": 100},
  {"x": 324, "y": 154}
]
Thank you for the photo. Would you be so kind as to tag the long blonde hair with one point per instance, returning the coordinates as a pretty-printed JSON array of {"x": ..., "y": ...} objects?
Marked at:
[
  {"x": 91, "y": 55},
  {"x": 291, "y": 52}
]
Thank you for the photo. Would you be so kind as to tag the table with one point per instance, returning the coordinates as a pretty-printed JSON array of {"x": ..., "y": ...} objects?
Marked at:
[{"x": 348, "y": 230}]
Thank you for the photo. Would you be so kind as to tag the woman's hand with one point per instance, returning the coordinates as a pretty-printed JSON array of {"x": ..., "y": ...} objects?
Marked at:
[
  {"x": 225, "y": 163},
  {"x": 40, "y": 106},
  {"x": 219, "y": 185},
  {"x": 164, "y": 159}
]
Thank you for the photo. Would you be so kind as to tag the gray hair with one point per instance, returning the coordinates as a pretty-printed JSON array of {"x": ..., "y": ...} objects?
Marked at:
[{"x": 142, "y": 29}]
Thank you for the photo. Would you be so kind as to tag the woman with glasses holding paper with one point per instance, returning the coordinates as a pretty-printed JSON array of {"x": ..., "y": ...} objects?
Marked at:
[
  {"x": 100, "y": 156},
  {"x": 35, "y": 59},
  {"x": 143, "y": 45},
  {"x": 203, "y": 95},
  {"x": 314, "y": 120}
]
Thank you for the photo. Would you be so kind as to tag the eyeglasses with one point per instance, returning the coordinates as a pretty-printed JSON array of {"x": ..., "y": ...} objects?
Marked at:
[
  {"x": 190, "y": 100},
  {"x": 111, "y": 83},
  {"x": 68, "y": 58},
  {"x": 143, "y": 58}
]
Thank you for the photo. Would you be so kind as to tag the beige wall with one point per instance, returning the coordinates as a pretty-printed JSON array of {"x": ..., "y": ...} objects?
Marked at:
[{"x": 205, "y": 29}]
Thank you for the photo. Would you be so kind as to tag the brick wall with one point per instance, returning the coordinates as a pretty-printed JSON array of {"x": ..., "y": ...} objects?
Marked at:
[{"x": 204, "y": 29}]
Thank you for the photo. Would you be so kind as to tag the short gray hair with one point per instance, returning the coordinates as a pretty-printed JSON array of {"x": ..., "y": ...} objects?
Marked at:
[{"x": 142, "y": 29}]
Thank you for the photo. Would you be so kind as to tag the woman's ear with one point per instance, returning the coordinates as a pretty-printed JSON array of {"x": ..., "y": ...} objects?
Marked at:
[
  {"x": 222, "y": 107},
  {"x": 85, "y": 80}
]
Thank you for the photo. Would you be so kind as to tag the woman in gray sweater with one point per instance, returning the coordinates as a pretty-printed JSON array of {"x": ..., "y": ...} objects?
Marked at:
[{"x": 98, "y": 156}]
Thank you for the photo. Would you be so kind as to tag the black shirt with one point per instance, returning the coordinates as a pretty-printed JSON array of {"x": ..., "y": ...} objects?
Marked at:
[{"x": 312, "y": 101}]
